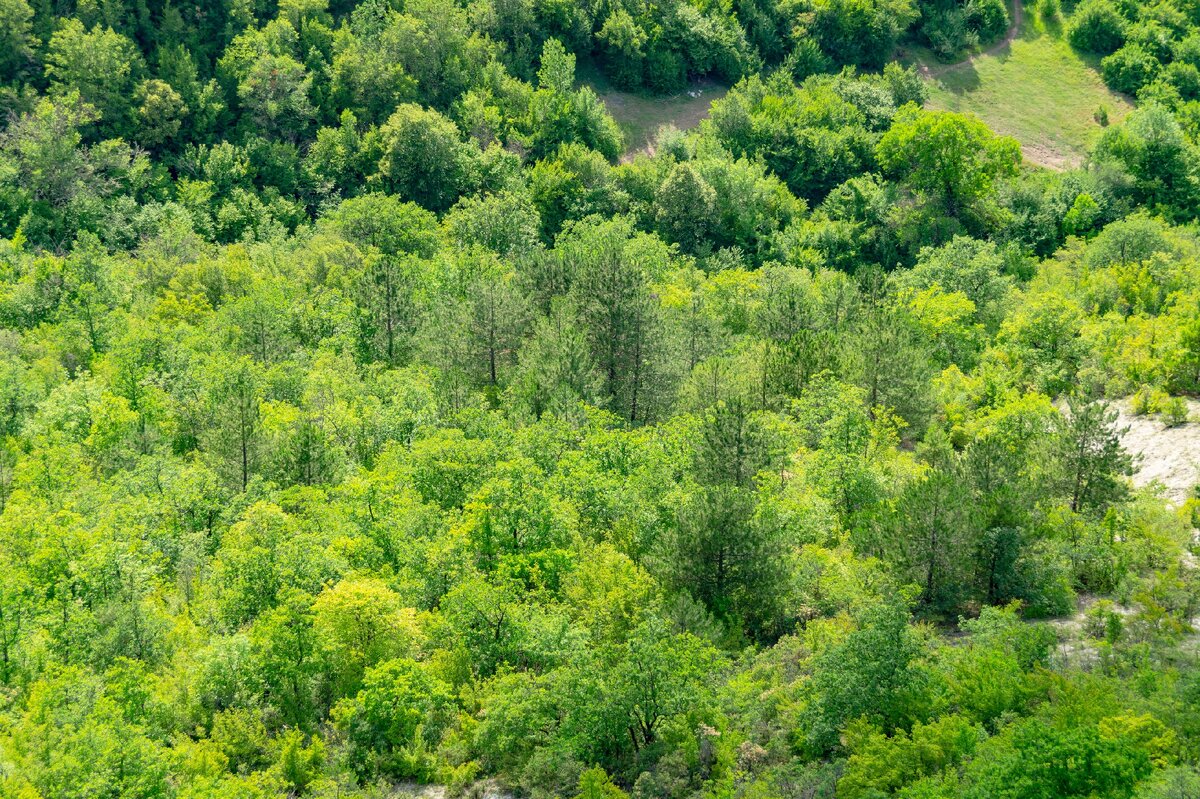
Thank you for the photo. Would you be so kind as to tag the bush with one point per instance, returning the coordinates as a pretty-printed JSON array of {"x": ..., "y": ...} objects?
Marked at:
[
  {"x": 1174, "y": 411},
  {"x": 665, "y": 71},
  {"x": 1185, "y": 78},
  {"x": 949, "y": 33},
  {"x": 861, "y": 32},
  {"x": 1144, "y": 402},
  {"x": 1097, "y": 27},
  {"x": 807, "y": 59},
  {"x": 989, "y": 18},
  {"x": 1085, "y": 211},
  {"x": 1129, "y": 69},
  {"x": 397, "y": 716},
  {"x": 1187, "y": 50},
  {"x": 1046, "y": 591},
  {"x": 1103, "y": 623},
  {"x": 622, "y": 43},
  {"x": 1153, "y": 37}
]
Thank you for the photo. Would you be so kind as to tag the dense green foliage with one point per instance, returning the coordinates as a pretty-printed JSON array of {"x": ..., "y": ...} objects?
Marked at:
[
  {"x": 1151, "y": 51},
  {"x": 363, "y": 420}
]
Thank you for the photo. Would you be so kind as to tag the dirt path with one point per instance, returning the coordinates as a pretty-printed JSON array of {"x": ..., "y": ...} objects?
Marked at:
[{"x": 1018, "y": 15}]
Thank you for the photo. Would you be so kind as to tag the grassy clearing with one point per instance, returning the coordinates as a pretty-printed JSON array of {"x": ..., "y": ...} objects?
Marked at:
[
  {"x": 640, "y": 116},
  {"x": 1036, "y": 89}
]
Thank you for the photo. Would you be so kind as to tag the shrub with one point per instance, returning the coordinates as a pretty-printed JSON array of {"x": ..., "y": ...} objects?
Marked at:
[
  {"x": 1129, "y": 69},
  {"x": 1097, "y": 27},
  {"x": 949, "y": 34},
  {"x": 400, "y": 712},
  {"x": 1174, "y": 411},
  {"x": 1187, "y": 50},
  {"x": 665, "y": 71},
  {"x": 1185, "y": 78},
  {"x": 1085, "y": 211},
  {"x": 989, "y": 18},
  {"x": 1103, "y": 623},
  {"x": 1144, "y": 402},
  {"x": 1153, "y": 36}
]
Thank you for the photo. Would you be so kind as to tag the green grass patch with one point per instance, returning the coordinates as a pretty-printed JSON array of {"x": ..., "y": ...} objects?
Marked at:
[
  {"x": 641, "y": 115},
  {"x": 1034, "y": 88}
]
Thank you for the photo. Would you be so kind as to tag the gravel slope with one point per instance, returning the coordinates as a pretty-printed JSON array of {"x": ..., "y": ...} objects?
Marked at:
[{"x": 1168, "y": 456}]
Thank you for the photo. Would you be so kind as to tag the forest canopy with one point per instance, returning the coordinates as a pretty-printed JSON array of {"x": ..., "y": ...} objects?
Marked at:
[{"x": 374, "y": 421}]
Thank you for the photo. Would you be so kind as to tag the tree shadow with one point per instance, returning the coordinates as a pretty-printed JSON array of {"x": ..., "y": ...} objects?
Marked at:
[
  {"x": 963, "y": 79},
  {"x": 1052, "y": 27},
  {"x": 1001, "y": 53}
]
